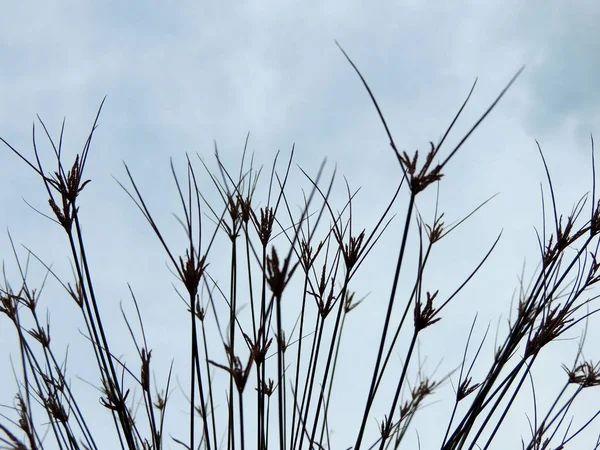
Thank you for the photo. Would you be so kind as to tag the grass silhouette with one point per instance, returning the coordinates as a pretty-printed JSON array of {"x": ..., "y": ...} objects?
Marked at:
[{"x": 278, "y": 387}]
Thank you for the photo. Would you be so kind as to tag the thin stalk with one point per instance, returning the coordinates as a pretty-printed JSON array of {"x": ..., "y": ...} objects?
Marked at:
[
  {"x": 231, "y": 350},
  {"x": 506, "y": 409},
  {"x": 280, "y": 377},
  {"x": 210, "y": 390},
  {"x": 241, "y": 413},
  {"x": 329, "y": 390},
  {"x": 312, "y": 370},
  {"x": 411, "y": 348},
  {"x": 298, "y": 357},
  {"x": 108, "y": 365},
  {"x": 372, "y": 389},
  {"x": 332, "y": 347}
]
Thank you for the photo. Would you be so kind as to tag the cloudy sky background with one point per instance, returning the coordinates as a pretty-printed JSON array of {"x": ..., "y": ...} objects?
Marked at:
[{"x": 180, "y": 75}]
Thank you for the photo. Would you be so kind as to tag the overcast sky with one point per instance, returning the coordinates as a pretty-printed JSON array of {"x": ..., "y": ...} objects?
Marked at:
[{"x": 179, "y": 76}]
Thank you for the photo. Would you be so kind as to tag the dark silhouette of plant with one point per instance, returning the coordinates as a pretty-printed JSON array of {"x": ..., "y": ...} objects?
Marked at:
[{"x": 280, "y": 385}]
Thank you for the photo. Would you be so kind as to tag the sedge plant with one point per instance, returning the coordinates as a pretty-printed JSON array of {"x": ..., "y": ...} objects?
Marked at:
[{"x": 252, "y": 382}]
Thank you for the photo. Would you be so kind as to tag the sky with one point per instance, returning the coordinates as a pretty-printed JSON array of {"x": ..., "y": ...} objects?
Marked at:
[{"x": 180, "y": 76}]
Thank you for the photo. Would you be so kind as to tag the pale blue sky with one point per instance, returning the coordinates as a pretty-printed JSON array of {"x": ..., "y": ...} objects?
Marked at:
[{"x": 180, "y": 75}]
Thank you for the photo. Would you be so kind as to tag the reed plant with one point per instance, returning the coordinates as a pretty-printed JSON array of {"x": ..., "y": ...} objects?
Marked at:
[{"x": 252, "y": 380}]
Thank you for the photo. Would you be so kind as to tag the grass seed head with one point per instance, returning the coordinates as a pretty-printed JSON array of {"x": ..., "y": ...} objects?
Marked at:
[
  {"x": 424, "y": 317},
  {"x": 586, "y": 374}
]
